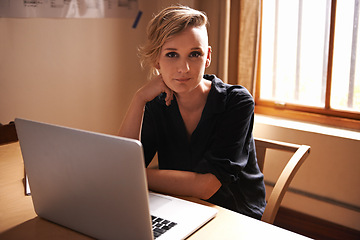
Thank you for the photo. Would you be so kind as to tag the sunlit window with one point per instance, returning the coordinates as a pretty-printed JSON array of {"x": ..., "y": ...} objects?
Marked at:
[
  {"x": 310, "y": 57},
  {"x": 345, "y": 90}
]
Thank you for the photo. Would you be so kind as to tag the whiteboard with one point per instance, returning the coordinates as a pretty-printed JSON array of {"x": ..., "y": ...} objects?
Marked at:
[{"x": 68, "y": 8}]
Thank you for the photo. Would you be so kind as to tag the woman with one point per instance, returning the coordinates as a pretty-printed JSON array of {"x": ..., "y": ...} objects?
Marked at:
[{"x": 200, "y": 127}]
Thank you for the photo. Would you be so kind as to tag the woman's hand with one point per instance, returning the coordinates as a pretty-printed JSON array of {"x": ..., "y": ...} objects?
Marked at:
[
  {"x": 153, "y": 88},
  {"x": 132, "y": 122}
]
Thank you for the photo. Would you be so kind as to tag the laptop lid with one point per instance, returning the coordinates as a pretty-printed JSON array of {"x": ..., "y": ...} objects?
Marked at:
[{"x": 89, "y": 182}]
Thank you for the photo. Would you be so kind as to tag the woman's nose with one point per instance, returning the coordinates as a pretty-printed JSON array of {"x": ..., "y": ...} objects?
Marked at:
[{"x": 183, "y": 66}]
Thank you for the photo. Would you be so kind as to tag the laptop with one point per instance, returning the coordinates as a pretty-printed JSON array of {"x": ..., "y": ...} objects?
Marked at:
[{"x": 96, "y": 184}]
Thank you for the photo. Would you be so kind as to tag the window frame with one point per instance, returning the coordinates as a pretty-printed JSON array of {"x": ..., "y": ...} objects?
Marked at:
[{"x": 323, "y": 115}]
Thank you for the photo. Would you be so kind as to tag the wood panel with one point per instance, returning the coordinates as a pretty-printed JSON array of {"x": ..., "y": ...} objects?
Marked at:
[{"x": 313, "y": 227}]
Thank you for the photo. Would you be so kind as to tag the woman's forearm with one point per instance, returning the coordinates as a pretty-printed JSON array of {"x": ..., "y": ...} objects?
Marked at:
[
  {"x": 183, "y": 183},
  {"x": 132, "y": 122}
]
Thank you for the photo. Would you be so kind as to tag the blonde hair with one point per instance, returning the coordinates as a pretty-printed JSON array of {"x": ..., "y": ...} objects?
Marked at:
[{"x": 164, "y": 25}]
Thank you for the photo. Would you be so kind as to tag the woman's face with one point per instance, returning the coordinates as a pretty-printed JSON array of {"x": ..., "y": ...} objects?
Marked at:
[{"x": 183, "y": 59}]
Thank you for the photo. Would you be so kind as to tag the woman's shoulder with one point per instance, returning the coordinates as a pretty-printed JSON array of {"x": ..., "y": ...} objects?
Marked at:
[{"x": 228, "y": 92}]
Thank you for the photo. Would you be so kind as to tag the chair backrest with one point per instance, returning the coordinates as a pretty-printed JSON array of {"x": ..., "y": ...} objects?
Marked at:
[
  {"x": 301, "y": 152},
  {"x": 8, "y": 133}
]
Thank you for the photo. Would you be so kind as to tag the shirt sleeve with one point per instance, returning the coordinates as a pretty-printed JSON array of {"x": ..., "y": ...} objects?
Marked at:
[
  {"x": 148, "y": 135},
  {"x": 231, "y": 151}
]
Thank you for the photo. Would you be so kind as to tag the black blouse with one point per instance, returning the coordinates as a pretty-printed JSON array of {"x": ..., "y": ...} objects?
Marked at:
[{"x": 221, "y": 144}]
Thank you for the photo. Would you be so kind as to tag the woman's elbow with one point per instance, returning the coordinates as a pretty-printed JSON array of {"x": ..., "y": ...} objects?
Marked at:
[{"x": 209, "y": 185}]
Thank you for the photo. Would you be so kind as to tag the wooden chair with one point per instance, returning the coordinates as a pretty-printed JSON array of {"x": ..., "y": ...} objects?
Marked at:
[
  {"x": 8, "y": 133},
  {"x": 301, "y": 152}
]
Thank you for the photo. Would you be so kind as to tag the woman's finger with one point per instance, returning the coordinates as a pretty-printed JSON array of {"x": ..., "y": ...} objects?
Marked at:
[{"x": 169, "y": 96}]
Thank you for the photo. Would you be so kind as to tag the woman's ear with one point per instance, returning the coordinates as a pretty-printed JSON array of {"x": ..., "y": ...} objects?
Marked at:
[{"x": 208, "y": 58}]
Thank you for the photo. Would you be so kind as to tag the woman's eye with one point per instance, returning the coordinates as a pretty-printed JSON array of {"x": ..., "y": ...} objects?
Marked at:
[
  {"x": 195, "y": 54},
  {"x": 171, "y": 54}
]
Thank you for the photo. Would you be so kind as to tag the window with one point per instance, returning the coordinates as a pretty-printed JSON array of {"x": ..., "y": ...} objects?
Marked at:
[{"x": 309, "y": 63}]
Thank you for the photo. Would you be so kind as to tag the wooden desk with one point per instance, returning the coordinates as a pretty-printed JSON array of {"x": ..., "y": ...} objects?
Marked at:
[{"x": 19, "y": 221}]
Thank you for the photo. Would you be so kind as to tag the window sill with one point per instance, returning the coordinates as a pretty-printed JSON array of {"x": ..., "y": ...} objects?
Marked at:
[
  {"x": 308, "y": 127},
  {"x": 309, "y": 117}
]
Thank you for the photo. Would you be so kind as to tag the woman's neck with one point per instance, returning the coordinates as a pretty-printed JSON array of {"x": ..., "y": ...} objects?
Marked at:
[{"x": 192, "y": 101}]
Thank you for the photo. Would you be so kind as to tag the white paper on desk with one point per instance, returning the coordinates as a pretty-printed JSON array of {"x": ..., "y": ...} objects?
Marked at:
[
  {"x": 69, "y": 8},
  {"x": 27, "y": 186}
]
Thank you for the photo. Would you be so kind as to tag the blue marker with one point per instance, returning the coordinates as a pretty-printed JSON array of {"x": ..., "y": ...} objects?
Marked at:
[{"x": 137, "y": 19}]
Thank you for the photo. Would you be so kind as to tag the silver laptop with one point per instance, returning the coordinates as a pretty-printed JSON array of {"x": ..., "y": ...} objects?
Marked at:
[{"x": 95, "y": 184}]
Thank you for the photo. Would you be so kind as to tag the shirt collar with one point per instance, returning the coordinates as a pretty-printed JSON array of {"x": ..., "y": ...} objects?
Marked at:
[{"x": 217, "y": 97}]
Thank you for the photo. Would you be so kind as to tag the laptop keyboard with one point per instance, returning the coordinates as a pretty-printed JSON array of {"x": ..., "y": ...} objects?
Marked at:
[{"x": 160, "y": 226}]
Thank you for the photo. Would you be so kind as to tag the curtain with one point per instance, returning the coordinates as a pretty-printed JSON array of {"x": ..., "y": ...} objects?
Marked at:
[{"x": 244, "y": 42}]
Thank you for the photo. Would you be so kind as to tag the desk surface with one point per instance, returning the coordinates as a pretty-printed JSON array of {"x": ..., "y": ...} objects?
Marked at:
[{"x": 19, "y": 221}]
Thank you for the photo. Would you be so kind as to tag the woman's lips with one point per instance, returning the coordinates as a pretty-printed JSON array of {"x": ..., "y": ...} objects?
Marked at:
[{"x": 182, "y": 79}]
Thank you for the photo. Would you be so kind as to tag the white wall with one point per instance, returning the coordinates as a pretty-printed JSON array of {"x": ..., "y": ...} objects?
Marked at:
[
  {"x": 75, "y": 72},
  {"x": 329, "y": 177}
]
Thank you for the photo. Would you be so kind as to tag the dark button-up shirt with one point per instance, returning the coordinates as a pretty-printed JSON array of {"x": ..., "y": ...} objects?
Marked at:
[{"x": 221, "y": 144}]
